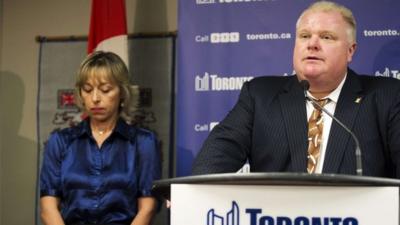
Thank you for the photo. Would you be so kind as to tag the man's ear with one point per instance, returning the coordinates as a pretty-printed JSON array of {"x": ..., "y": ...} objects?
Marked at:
[{"x": 351, "y": 51}]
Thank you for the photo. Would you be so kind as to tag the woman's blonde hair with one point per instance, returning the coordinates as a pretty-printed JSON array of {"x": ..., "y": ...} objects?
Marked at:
[{"x": 109, "y": 66}]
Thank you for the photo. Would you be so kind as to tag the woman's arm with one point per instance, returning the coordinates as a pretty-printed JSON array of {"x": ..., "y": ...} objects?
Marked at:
[
  {"x": 50, "y": 213},
  {"x": 146, "y": 210}
]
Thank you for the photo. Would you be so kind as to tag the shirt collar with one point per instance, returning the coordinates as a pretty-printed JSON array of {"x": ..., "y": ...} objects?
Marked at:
[
  {"x": 334, "y": 95},
  {"x": 124, "y": 129},
  {"x": 121, "y": 128}
]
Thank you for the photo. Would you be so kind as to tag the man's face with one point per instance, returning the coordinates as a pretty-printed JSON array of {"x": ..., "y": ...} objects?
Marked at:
[{"x": 322, "y": 51}]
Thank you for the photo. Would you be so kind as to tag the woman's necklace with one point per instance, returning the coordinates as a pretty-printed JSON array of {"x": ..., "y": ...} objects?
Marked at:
[{"x": 101, "y": 132}]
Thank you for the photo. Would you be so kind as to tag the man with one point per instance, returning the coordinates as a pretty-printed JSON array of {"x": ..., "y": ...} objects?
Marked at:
[{"x": 272, "y": 125}]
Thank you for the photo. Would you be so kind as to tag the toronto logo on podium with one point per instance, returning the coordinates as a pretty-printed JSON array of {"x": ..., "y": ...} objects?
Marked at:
[
  {"x": 231, "y": 218},
  {"x": 256, "y": 217}
]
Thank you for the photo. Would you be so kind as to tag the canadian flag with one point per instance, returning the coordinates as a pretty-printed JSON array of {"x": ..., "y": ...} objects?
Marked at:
[{"x": 108, "y": 30}]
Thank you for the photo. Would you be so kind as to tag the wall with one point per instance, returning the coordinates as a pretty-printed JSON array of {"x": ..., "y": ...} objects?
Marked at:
[
  {"x": 20, "y": 22},
  {"x": 1, "y": 117}
]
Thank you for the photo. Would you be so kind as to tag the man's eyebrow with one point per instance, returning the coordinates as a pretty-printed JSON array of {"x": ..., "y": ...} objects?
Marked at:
[{"x": 302, "y": 30}]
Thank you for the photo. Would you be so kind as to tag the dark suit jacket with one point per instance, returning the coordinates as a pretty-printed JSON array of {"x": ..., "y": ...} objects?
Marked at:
[{"x": 268, "y": 126}]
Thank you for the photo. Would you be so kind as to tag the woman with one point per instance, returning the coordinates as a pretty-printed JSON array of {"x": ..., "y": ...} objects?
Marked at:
[{"x": 101, "y": 171}]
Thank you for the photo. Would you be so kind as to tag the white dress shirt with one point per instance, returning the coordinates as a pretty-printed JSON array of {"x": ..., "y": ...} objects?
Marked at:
[{"x": 327, "y": 120}]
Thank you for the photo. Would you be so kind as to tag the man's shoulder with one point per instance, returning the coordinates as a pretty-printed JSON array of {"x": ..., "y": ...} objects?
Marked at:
[
  {"x": 271, "y": 82},
  {"x": 272, "y": 79},
  {"x": 379, "y": 83}
]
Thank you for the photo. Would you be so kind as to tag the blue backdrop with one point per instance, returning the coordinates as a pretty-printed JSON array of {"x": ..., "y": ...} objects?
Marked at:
[{"x": 223, "y": 43}]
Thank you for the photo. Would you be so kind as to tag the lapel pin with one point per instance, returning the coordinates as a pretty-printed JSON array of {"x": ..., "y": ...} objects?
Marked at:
[{"x": 358, "y": 100}]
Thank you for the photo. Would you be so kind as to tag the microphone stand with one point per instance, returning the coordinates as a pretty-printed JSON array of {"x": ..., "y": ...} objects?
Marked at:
[{"x": 305, "y": 85}]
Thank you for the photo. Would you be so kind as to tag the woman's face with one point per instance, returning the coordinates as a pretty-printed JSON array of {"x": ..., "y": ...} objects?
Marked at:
[{"x": 101, "y": 98}]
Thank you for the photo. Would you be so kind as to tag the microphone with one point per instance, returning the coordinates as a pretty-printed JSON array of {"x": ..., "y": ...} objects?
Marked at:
[{"x": 305, "y": 86}]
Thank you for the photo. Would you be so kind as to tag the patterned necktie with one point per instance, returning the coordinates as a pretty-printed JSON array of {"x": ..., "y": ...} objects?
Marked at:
[{"x": 315, "y": 127}]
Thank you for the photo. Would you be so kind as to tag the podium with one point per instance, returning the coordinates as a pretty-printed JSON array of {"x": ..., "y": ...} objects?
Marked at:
[{"x": 281, "y": 199}]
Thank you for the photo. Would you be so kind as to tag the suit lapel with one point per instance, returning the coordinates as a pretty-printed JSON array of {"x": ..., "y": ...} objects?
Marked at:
[
  {"x": 295, "y": 121},
  {"x": 346, "y": 111}
]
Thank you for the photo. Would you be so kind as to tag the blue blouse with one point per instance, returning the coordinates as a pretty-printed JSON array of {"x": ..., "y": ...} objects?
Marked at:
[{"x": 99, "y": 185}]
